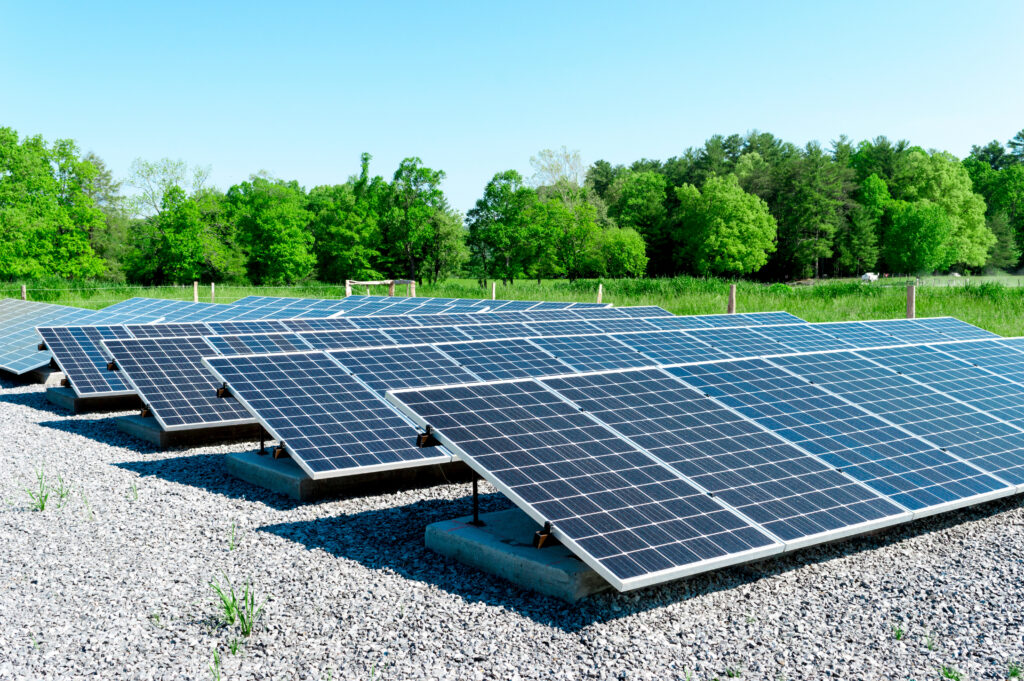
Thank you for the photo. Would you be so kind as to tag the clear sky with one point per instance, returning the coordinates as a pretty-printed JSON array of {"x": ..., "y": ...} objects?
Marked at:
[{"x": 300, "y": 89}]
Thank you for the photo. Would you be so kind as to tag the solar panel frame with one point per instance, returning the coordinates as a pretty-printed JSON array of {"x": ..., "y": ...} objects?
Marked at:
[
  {"x": 69, "y": 346},
  {"x": 171, "y": 401},
  {"x": 350, "y": 384},
  {"x": 769, "y": 546}
]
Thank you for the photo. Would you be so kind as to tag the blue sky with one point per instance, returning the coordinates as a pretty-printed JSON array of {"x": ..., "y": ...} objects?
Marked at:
[{"x": 300, "y": 89}]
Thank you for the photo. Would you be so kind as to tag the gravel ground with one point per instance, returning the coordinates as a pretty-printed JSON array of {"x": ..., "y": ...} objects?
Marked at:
[{"x": 115, "y": 584}]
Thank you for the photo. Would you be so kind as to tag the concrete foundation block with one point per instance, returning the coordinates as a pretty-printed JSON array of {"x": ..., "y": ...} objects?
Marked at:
[
  {"x": 147, "y": 428},
  {"x": 47, "y": 376},
  {"x": 285, "y": 477},
  {"x": 65, "y": 398},
  {"x": 503, "y": 546}
]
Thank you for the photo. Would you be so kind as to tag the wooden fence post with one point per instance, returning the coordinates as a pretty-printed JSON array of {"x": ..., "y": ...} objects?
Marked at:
[
  {"x": 600, "y": 292},
  {"x": 391, "y": 287},
  {"x": 911, "y": 301},
  {"x": 494, "y": 290},
  {"x": 412, "y": 288},
  {"x": 195, "y": 291},
  {"x": 213, "y": 292},
  {"x": 348, "y": 287},
  {"x": 731, "y": 306},
  {"x": 24, "y": 292}
]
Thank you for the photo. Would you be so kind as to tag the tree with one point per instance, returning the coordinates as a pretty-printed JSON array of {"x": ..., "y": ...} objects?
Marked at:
[
  {"x": 500, "y": 227},
  {"x": 993, "y": 154},
  {"x": 722, "y": 230},
  {"x": 917, "y": 237},
  {"x": 1005, "y": 251},
  {"x": 407, "y": 216},
  {"x": 110, "y": 243},
  {"x": 565, "y": 234},
  {"x": 623, "y": 253},
  {"x": 342, "y": 234},
  {"x": 446, "y": 253},
  {"x": 1016, "y": 145},
  {"x": 153, "y": 178},
  {"x": 941, "y": 179},
  {"x": 272, "y": 221},
  {"x": 601, "y": 176}
]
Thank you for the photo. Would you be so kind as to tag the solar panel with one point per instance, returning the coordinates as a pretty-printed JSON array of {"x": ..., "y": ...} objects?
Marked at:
[
  {"x": 168, "y": 330},
  {"x": 564, "y": 328},
  {"x": 626, "y": 515},
  {"x": 19, "y": 341},
  {"x": 739, "y": 342},
  {"x": 171, "y": 380},
  {"x": 645, "y": 311},
  {"x": 670, "y": 347},
  {"x": 891, "y": 461},
  {"x": 954, "y": 328},
  {"x": 592, "y": 353},
  {"x": 858, "y": 334},
  {"x": 499, "y": 360},
  {"x": 907, "y": 330},
  {"x": 430, "y": 334},
  {"x": 772, "y": 318},
  {"x": 246, "y": 344},
  {"x": 326, "y": 420},
  {"x": 984, "y": 390},
  {"x": 545, "y": 315},
  {"x": 76, "y": 349},
  {"x": 993, "y": 446},
  {"x": 356, "y": 338},
  {"x": 323, "y": 324},
  {"x": 601, "y": 313},
  {"x": 233, "y": 328},
  {"x": 999, "y": 357},
  {"x": 382, "y": 322},
  {"x": 511, "y": 305},
  {"x": 450, "y": 319},
  {"x": 803, "y": 338},
  {"x": 678, "y": 323},
  {"x": 413, "y": 366},
  {"x": 793, "y": 495},
  {"x": 484, "y": 331},
  {"x": 621, "y": 325}
]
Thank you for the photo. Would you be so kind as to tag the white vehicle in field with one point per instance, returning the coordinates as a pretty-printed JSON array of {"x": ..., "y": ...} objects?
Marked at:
[{"x": 869, "y": 276}]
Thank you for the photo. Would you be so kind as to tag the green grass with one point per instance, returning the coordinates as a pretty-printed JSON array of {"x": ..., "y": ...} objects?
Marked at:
[
  {"x": 994, "y": 303},
  {"x": 244, "y": 610}
]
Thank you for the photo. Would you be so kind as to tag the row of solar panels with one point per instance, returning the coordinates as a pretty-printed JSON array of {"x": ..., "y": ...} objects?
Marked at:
[
  {"x": 653, "y": 474},
  {"x": 77, "y": 350},
  {"x": 19, "y": 318}
]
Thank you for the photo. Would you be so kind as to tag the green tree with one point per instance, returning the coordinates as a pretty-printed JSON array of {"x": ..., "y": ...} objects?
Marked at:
[
  {"x": 407, "y": 217},
  {"x": 722, "y": 230},
  {"x": 1005, "y": 251},
  {"x": 447, "y": 252},
  {"x": 500, "y": 228},
  {"x": 941, "y": 179},
  {"x": 566, "y": 235},
  {"x": 342, "y": 233},
  {"x": 916, "y": 238},
  {"x": 623, "y": 253},
  {"x": 272, "y": 222},
  {"x": 1016, "y": 145}
]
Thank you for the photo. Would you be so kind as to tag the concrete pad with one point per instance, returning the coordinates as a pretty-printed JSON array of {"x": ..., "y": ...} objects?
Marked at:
[
  {"x": 284, "y": 476},
  {"x": 503, "y": 546},
  {"x": 65, "y": 398},
  {"x": 147, "y": 428}
]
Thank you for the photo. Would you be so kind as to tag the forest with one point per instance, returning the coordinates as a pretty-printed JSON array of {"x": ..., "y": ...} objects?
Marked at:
[{"x": 750, "y": 206}]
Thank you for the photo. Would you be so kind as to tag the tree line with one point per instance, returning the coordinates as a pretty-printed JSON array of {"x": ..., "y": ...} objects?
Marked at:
[{"x": 740, "y": 205}]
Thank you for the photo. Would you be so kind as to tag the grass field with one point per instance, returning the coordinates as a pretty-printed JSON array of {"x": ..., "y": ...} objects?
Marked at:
[{"x": 994, "y": 303}]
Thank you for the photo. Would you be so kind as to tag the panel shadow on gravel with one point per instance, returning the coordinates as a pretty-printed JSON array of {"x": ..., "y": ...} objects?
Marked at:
[
  {"x": 391, "y": 539},
  {"x": 102, "y": 429},
  {"x": 206, "y": 472},
  {"x": 36, "y": 400}
]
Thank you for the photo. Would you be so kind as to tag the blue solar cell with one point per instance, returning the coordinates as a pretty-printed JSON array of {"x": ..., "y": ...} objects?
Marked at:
[
  {"x": 485, "y": 331},
  {"x": 670, "y": 347},
  {"x": 430, "y": 334},
  {"x": 77, "y": 351},
  {"x": 505, "y": 359},
  {"x": 907, "y": 330},
  {"x": 592, "y": 353},
  {"x": 168, "y": 330},
  {"x": 245, "y": 344},
  {"x": 627, "y": 515},
  {"x": 858, "y": 333},
  {"x": 242, "y": 327},
  {"x": 954, "y": 328},
  {"x": 355, "y": 338},
  {"x": 904, "y": 468},
  {"x": 414, "y": 366},
  {"x": 739, "y": 342},
  {"x": 803, "y": 338},
  {"x": 645, "y": 311}
]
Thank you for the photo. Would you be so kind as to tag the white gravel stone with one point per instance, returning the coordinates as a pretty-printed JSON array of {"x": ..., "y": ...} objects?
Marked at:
[{"x": 115, "y": 585}]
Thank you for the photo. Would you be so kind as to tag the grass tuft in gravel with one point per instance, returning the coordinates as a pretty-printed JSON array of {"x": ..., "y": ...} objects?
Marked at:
[
  {"x": 215, "y": 666},
  {"x": 40, "y": 494},
  {"x": 898, "y": 632},
  {"x": 245, "y": 611},
  {"x": 950, "y": 673},
  {"x": 1014, "y": 671}
]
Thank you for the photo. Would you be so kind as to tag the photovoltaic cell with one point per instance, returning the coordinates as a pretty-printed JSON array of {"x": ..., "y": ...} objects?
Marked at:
[
  {"x": 621, "y": 325},
  {"x": 803, "y": 338},
  {"x": 592, "y": 353},
  {"x": 485, "y": 331},
  {"x": 954, "y": 328},
  {"x": 564, "y": 328},
  {"x": 897, "y": 465},
  {"x": 678, "y": 323},
  {"x": 1002, "y": 357},
  {"x": 645, "y": 311},
  {"x": 907, "y": 330},
  {"x": 431, "y": 334},
  {"x": 413, "y": 366},
  {"x": 244, "y": 327},
  {"x": 246, "y": 344},
  {"x": 978, "y": 438},
  {"x": 627, "y": 515},
  {"x": 168, "y": 330},
  {"x": 356, "y": 338},
  {"x": 328, "y": 421},
  {"x": 328, "y": 324},
  {"x": 76, "y": 349},
  {"x": 670, "y": 347},
  {"x": 169, "y": 376},
  {"x": 739, "y": 342},
  {"x": 504, "y": 359},
  {"x": 791, "y": 494},
  {"x": 858, "y": 334}
]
